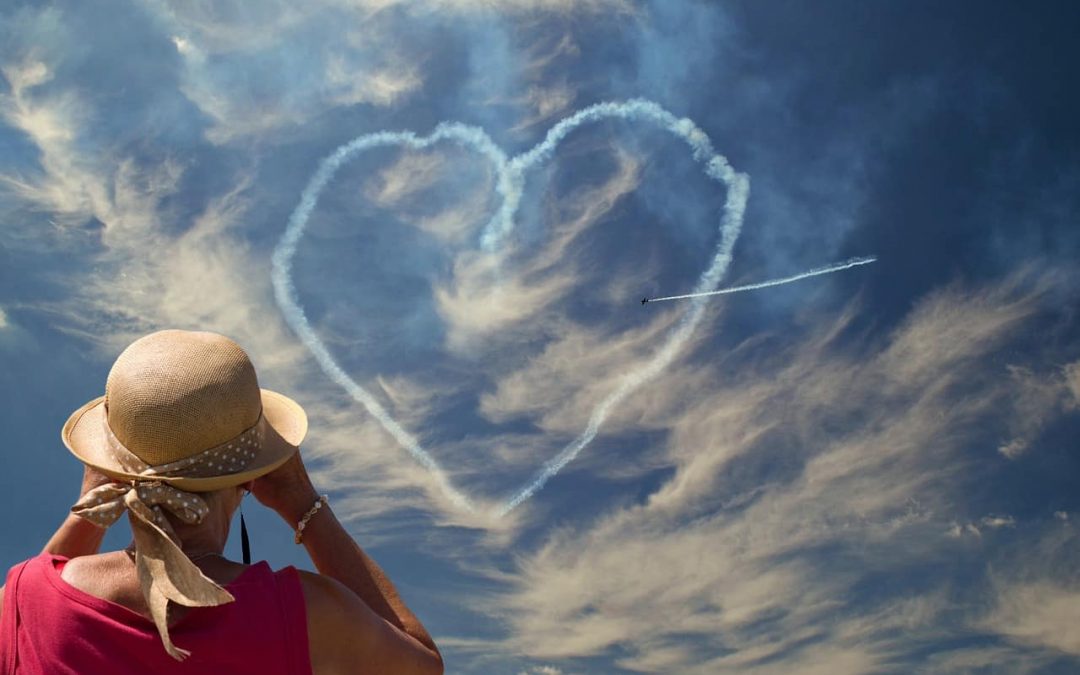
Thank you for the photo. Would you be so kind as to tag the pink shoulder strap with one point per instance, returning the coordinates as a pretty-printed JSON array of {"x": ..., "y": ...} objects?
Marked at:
[
  {"x": 9, "y": 621},
  {"x": 294, "y": 613}
]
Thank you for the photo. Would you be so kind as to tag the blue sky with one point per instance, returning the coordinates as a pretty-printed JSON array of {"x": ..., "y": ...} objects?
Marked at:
[{"x": 871, "y": 471}]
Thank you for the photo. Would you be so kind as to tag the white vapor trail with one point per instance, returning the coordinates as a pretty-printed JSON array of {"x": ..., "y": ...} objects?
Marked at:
[
  {"x": 817, "y": 271},
  {"x": 509, "y": 185}
]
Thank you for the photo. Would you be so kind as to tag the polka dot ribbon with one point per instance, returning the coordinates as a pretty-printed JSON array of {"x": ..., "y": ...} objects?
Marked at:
[
  {"x": 232, "y": 456},
  {"x": 165, "y": 572},
  {"x": 105, "y": 504}
]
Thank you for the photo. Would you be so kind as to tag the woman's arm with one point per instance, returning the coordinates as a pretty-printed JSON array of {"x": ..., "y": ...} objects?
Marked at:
[
  {"x": 288, "y": 490},
  {"x": 77, "y": 536},
  {"x": 339, "y": 557},
  {"x": 346, "y": 636}
]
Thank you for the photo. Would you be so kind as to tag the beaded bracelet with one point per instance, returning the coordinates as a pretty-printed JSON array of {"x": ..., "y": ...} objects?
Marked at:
[{"x": 325, "y": 499}]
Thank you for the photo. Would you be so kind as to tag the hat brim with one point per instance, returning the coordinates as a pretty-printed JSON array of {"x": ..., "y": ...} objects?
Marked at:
[{"x": 84, "y": 436}]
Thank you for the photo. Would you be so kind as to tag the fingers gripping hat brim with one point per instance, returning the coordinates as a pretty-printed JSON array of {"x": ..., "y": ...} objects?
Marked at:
[{"x": 84, "y": 435}]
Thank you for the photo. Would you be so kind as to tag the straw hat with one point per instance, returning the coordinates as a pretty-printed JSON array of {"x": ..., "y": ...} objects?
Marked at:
[
  {"x": 182, "y": 414},
  {"x": 189, "y": 401}
]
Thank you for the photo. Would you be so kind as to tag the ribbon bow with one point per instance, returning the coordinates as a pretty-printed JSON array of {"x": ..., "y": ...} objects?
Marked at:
[{"x": 165, "y": 572}]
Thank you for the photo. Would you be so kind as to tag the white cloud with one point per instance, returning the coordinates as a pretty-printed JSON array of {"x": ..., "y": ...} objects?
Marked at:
[
  {"x": 546, "y": 102},
  {"x": 13, "y": 337},
  {"x": 1040, "y": 613},
  {"x": 443, "y": 193},
  {"x": 184, "y": 46},
  {"x": 1036, "y": 398},
  {"x": 410, "y": 174},
  {"x": 75, "y": 184},
  {"x": 996, "y": 522},
  {"x": 68, "y": 185},
  {"x": 1072, "y": 379},
  {"x": 501, "y": 6},
  {"x": 379, "y": 86},
  {"x": 548, "y": 93},
  {"x": 957, "y": 530},
  {"x": 258, "y": 71},
  {"x": 1004, "y": 659},
  {"x": 543, "y": 670}
]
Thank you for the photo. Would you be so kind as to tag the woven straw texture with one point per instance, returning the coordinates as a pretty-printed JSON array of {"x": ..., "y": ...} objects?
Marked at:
[{"x": 173, "y": 394}]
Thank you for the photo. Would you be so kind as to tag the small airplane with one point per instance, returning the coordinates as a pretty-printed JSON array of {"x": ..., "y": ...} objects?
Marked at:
[{"x": 644, "y": 300}]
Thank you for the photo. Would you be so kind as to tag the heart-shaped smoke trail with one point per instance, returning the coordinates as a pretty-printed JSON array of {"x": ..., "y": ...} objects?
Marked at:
[{"x": 509, "y": 185}]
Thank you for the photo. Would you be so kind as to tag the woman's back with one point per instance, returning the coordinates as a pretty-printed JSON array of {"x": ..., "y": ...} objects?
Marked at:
[{"x": 112, "y": 576}]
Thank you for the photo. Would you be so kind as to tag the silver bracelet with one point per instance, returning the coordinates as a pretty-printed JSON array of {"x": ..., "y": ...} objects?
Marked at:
[{"x": 325, "y": 499}]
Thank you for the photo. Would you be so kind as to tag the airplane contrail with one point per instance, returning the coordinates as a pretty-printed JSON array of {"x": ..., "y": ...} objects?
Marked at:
[
  {"x": 509, "y": 185},
  {"x": 817, "y": 271}
]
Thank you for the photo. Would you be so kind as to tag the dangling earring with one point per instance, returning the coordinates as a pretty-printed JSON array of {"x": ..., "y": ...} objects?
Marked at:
[{"x": 245, "y": 545}]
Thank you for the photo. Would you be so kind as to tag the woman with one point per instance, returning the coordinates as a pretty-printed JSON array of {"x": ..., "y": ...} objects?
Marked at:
[{"x": 182, "y": 433}]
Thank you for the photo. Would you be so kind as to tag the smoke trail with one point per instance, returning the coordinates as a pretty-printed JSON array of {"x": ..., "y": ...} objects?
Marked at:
[
  {"x": 509, "y": 185},
  {"x": 817, "y": 271},
  {"x": 738, "y": 192},
  {"x": 285, "y": 291},
  {"x": 716, "y": 166}
]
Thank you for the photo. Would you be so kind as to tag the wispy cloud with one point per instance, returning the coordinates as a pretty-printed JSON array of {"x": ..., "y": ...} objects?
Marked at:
[
  {"x": 486, "y": 296},
  {"x": 1072, "y": 381},
  {"x": 563, "y": 6},
  {"x": 256, "y": 73},
  {"x": 1044, "y": 613},
  {"x": 543, "y": 670},
  {"x": 1038, "y": 398},
  {"x": 277, "y": 67},
  {"x": 831, "y": 453},
  {"x": 67, "y": 184}
]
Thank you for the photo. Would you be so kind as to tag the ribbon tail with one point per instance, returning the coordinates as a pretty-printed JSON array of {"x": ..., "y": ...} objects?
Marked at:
[
  {"x": 165, "y": 574},
  {"x": 159, "y": 606},
  {"x": 178, "y": 578}
]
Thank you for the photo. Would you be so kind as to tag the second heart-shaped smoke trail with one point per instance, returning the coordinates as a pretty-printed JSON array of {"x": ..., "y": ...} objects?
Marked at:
[{"x": 509, "y": 184}]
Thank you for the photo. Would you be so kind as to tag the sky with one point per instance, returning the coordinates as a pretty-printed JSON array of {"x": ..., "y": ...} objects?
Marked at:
[{"x": 869, "y": 471}]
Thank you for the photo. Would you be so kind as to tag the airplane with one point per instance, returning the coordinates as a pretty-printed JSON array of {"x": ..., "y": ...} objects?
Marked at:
[{"x": 644, "y": 300}]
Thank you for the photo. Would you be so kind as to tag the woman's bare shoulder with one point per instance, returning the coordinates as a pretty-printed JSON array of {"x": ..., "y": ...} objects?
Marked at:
[
  {"x": 96, "y": 573},
  {"x": 345, "y": 634}
]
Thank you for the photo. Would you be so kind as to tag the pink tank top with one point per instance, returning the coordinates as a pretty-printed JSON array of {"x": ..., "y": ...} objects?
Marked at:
[{"x": 49, "y": 627}]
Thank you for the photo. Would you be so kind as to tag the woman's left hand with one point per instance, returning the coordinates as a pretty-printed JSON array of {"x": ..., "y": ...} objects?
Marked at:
[{"x": 93, "y": 478}]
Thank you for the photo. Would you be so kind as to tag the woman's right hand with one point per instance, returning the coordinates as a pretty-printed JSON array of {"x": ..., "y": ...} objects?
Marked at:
[{"x": 287, "y": 490}]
